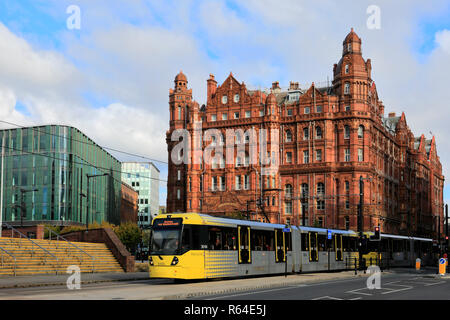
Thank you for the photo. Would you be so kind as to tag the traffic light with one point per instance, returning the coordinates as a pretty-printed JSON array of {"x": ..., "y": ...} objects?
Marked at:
[{"x": 377, "y": 235}]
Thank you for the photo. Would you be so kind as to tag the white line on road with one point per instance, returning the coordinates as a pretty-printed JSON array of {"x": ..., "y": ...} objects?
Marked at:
[
  {"x": 353, "y": 291},
  {"x": 432, "y": 284},
  {"x": 396, "y": 290},
  {"x": 327, "y": 297}
]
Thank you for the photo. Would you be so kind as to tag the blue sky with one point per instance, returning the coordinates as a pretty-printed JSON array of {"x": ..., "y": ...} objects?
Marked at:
[{"x": 111, "y": 78}]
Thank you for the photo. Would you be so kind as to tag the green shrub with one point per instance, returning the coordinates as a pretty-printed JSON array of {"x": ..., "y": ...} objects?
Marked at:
[{"x": 130, "y": 235}]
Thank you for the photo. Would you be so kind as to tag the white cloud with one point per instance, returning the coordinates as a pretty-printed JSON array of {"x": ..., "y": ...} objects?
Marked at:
[{"x": 442, "y": 38}]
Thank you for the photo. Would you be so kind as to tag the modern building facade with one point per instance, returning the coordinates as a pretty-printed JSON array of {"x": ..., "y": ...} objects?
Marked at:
[
  {"x": 55, "y": 161},
  {"x": 144, "y": 178},
  {"x": 327, "y": 139},
  {"x": 129, "y": 206}
]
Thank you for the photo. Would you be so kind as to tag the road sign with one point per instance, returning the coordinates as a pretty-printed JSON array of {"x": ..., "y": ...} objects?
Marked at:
[
  {"x": 442, "y": 265},
  {"x": 329, "y": 234}
]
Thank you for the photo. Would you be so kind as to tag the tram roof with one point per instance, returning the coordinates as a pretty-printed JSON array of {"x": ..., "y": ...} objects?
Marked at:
[
  {"x": 312, "y": 229},
  {"x": 392, "y": 236},
  {"x": 212, "y": 219}
]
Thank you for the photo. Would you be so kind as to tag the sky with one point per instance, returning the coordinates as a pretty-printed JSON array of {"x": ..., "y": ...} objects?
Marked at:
[{"x": 106, "y": 67}]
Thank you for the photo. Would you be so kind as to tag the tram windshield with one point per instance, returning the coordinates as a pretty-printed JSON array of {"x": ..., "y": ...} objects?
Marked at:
[{"x": 166, "y": 236}]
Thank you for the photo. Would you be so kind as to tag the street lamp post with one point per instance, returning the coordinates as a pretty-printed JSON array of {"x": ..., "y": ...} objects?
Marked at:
[
  {"x": 87, "y": 196},
  {"x": 360, "y": 217}
]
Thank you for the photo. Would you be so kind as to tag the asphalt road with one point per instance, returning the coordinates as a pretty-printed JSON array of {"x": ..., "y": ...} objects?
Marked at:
[
  {"x": 394, "y": 286},
  {"x": 399, "y": 286}
]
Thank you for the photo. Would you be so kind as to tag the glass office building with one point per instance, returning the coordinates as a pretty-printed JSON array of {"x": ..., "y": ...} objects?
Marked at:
[
  {"x": 55, "y": 161},
  {"x": 144, "y": 178}
]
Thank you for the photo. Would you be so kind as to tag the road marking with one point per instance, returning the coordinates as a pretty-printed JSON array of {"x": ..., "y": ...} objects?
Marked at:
[
  {"x": 359, "y": 298},
  {"x": 353, "y": 291},
  {"x": 327, "y": 297},
  {"x": 395, "y": 290},
  {"x": 432, "y": 284}
]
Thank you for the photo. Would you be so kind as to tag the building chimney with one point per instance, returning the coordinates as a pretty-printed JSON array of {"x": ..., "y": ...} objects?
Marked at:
[
  {"x": 211, "y": 87},
  {"x": 276, "y": 87},
  {"x": 293, "y": 85},
  {"x": 391, "y": 114}
]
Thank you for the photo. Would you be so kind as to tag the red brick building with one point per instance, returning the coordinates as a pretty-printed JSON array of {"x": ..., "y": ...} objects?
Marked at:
[
  {"x": 328, "y": 137},
  {"x": 129, "y": 204}
]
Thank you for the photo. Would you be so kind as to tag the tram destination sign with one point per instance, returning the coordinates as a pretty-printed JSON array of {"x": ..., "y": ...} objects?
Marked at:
[{"x": 163, "y": 223}]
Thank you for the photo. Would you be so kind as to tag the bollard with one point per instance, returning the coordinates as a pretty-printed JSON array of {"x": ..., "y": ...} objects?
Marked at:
[
  {"x": 356, "y": 272},
  {"x": 418, "y": 264}
]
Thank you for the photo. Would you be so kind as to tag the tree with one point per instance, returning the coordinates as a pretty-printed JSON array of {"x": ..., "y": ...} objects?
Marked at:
[{"x": 130, "y": 235}]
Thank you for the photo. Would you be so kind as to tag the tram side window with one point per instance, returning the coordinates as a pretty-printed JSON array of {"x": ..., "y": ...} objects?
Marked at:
[
  {"x": 257, "y": 240},
  {"x": 398, "y": 246},
  {"x": 351, "y": 247},
  {"x": 345, "y": 243},
  {"x": 220, "y": 238},
  {"x": 322, "y": 240},
  {"x": 305, "y": 242},
  {"x": 214, "y": 238},
  {"x": 230, "y": 239},
  {"x": 261, "y": 240}
]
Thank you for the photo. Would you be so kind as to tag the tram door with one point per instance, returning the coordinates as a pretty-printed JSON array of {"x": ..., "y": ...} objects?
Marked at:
[
  {"x": 244, "y": 245},
  {"x": 338, "y": 246},
  {"x": 313, "y": 247},
  {"x": 280, "y": 245}
]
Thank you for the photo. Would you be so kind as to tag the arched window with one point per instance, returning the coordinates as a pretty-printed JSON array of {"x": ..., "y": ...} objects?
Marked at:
[
  {"x": 361, "y": 132},
  {"x": 346, "y": 132},
  {"x": 288, "y": 136},
  {"x": 318, "y": 133},
  {"x": 288, "y": 191},
  {"x": 347, "y": 186}
]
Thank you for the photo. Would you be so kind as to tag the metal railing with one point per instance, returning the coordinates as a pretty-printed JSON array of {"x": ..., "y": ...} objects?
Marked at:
[
  {"x": 72, "y": 244},
  {"x": 21, "y": 235},
  {"x": 10, "y": 254},
  {"x": 352, "y": 263}
]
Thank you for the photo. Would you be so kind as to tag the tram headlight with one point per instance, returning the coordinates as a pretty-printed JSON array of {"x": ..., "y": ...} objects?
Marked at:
[
  {"x": 150, "y": 260},
  {"x": 174, "y": 261}
]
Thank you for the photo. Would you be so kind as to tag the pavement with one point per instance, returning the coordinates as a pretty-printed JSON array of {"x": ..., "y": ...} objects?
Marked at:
[{"x": 52, "y": 280}]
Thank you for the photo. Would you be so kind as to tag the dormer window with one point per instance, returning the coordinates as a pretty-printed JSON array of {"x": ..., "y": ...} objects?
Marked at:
[
  {"x": 224, "y": 99},
  {"x": 236, "y": 98}
]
